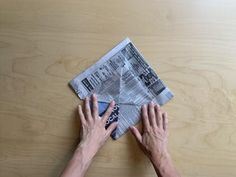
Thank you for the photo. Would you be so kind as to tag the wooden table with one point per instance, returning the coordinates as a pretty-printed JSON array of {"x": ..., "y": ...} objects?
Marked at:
[{"x": 43, "y": 44}]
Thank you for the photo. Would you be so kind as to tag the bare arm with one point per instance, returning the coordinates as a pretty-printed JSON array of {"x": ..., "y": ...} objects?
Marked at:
[
  {"x": 153, "y": 140},
  {"x": 93, "y": 136}
]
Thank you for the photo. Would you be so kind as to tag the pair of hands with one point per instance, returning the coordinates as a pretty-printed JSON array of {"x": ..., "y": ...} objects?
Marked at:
[{"x": 152, "y": 140}]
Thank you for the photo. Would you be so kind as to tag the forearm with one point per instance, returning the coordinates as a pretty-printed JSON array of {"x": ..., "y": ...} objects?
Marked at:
[
  {"x": 164, "y": 167},
  {"x": 79, "y": 163}
]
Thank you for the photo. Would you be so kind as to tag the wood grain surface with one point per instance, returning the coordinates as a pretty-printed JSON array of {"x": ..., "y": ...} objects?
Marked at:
[{"x": 191, "y": 44}]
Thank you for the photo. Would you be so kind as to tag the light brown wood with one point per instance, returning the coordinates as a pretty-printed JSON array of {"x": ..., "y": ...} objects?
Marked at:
[{"x": 43, "y": 44}]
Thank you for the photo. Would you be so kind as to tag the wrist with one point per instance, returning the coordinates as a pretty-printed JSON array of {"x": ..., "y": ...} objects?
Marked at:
[
  {"x": 160, "y": 159},
  {"x": 164, "y": 166},
  {"x": 86, "y": 150},
  {"x": 79, "y": 162}
]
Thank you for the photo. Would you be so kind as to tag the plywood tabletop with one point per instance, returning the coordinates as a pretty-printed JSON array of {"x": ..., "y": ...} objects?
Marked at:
[{"x": 43, "y": 44}]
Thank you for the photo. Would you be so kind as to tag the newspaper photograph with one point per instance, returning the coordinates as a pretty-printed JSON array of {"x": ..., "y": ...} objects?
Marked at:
[{"x": 124, "y": 76}]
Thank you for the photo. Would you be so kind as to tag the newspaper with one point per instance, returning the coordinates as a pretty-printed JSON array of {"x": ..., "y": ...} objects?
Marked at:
[{"x": 124, "y": 76}]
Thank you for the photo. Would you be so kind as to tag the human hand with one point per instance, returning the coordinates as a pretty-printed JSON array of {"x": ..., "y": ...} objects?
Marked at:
[
  {"x": 153, "y": 140},
  {"x": 93, "y": 133}
]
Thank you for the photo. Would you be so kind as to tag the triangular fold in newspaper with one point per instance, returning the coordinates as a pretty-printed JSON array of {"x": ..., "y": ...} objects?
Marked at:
[
  {"x": 111, "y": 90},
  {"x": 129, "y": 83},
  {"x": 126, "y": 119},
  {"x": 124, "y": 76}
]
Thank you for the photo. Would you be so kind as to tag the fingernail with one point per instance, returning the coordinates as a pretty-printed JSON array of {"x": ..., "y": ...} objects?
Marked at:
[
  {"x": 158, "y": 107},
  {"x": 94, "y": 95}
]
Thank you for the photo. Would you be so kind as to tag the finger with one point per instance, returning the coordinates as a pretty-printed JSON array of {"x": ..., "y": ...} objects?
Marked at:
[
  {"x": 87, "y": 109},
  {"x": 111, "y": 128},
  {"x": 151, "y": 114},
  {"x": 81, "y": 115},
  {"x": 144, "y": 116},
  {"x": 108, "y": 111},
  {"x": 158, "y": 116},
  {"x": 95, "y": 106},
  {"x": 136, "y": 134},
  {"x": 165, "y": 120}
]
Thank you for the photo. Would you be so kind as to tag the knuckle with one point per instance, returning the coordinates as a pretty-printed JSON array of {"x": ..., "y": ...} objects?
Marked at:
[
  {"x": 144, "y": 118},
  {"x": 87, "y": 111},
  {"x": 147, "y": 130},
  {"x": 110, "y": 108},
  {"x": 145, "y": 114}
]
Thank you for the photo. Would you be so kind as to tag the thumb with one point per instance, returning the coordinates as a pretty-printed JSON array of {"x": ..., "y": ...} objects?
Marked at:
[{"x": 136, "y": 134}]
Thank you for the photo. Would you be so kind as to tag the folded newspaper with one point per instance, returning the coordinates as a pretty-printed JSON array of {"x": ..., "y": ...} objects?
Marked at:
[{"x": 124, "y": 76}]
